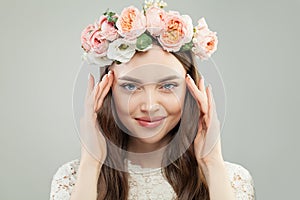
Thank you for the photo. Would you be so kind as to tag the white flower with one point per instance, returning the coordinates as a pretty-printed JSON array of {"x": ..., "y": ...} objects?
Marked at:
[
  {"x": 157, "y": 3},
  {"x": 148, "y": 4},
  {"x": 93, "y": 58},
  {"x": 205, "y": 41},
  {"x": 121, "y": 50},
  {"x": 161, "y": 4}
]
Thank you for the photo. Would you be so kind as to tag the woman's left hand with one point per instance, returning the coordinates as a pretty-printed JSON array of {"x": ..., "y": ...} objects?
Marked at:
[{"x": 207, "y": 143}]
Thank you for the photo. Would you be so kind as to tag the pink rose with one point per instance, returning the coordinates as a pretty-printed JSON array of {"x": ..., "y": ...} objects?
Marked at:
[
  {"x": 177, "y": 31},
  {"x": 107, "y": 29},
  {"x": 131, "y": 23},
  {"x": 98, "y": 43},
  {"x": 86, "y": 36},
  {"x": 155, "y": 20},
  {"x": 205, "y": 41}
]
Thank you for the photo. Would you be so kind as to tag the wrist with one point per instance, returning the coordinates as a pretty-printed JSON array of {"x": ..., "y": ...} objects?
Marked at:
[
  {"x": 88, "y": 160},
  {"x": 90, "y": 163},
  {"x": 211, "y": 162},
  {"x": 89, "y": 169},
  {"x": 211, "y": 167}
]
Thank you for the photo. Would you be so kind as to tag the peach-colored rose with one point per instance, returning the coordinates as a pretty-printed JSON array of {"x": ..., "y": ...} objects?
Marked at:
[
  {"x": 205, "y": 41},
  {"x": 107, "y": 29},
  {"x": 98, "y": 43},
  {"x": 131, "y": 23},
  {"x": 178, "y": 30},
  {"x": 155, "y": 20},
  {"x": 86, "y": 36}
]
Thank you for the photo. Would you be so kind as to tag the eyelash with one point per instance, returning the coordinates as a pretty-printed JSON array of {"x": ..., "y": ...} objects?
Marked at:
[
  {"x": 126, "y": 85},
  {"x": 173, "y": 86}
]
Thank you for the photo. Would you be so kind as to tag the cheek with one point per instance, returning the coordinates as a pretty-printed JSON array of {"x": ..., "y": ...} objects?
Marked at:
[
  {"x": 125, "y": 104},
  {"x": 173, "y": 105},
  {"x": 174, "y": 102},
  {"x": 120, "y": 102}
]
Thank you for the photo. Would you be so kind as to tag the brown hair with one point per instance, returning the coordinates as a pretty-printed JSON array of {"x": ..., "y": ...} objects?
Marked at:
[{"x": 183, "y": 174}]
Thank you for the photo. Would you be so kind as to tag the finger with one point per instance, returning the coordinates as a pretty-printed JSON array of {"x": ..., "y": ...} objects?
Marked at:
[
  {"x": 103, "y": 80},
  {"x": 90, "y": 102},
  {"x": 214, "y": 107},
  {"x": 90, "y": 86},
  {"x": 201, "y": 84},
  {"x": 211, "y": 104},
  {"x": 101, "y": 86},
  {"x": 200, "y": 134},
  {"x": 104, "y": 90},
  {"x": 197, "y": 94}
]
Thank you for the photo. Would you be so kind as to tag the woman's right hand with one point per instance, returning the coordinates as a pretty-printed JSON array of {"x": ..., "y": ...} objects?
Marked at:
[{"x": 93, "y": 144}]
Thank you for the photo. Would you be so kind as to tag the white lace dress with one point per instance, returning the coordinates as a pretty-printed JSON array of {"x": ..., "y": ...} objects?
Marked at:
[{"x": 148, "y": 183}]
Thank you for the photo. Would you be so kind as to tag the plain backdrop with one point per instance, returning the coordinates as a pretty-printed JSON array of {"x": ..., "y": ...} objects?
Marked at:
[{"x": 258, "y": 57}]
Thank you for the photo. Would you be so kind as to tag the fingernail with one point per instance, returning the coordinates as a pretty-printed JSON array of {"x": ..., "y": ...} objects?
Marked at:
[
  {"x": 188, "y": 76},
  {"x": 89, "y": 76},
  {"x": 104, "y": 77},
  {"x": 202, "y": 80}
]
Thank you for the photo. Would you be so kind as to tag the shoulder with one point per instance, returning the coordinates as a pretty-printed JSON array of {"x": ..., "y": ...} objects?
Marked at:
[
  {"x": 241, "y": 181},
  {"x": 64, "y": 180}
]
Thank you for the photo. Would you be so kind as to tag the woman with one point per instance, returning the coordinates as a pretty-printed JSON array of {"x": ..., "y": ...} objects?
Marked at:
[{"x": 150, "y": 128}]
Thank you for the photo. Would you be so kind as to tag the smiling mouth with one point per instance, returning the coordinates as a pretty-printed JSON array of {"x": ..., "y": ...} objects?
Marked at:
[{"x": 150, "y": 123}]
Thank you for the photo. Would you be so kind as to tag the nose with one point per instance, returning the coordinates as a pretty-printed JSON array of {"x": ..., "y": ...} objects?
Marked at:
[{"x": 149, "y": 103}]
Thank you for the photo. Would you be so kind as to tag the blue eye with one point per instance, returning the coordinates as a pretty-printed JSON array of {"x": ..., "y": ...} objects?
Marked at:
[
  {"x": 169, "y": 86},
  {"x": 129, "y": 87}
]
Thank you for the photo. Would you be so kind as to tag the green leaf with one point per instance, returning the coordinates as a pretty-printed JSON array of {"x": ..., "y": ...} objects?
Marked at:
[
  {"x": 123, "y": 46},
  {"x": 105, "y": 13},
  {"x": 109, "y": 19},
  {"x": 187, "y": 46},
  {"x": 115, "y": 19},
  {"x": 118, "y": 62},
  {"x": 111, "y": 14},
  {"x": 143, "y": 41}
]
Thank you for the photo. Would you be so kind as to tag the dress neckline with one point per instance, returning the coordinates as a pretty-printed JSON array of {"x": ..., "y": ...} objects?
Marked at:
[{"x": 137, "y": 169}]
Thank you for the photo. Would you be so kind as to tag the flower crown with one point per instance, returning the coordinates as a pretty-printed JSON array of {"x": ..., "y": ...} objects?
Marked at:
[{"x": 116, "y": 38}]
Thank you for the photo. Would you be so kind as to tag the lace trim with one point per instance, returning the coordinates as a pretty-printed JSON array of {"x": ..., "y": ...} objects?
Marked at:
[
  {"x": 137, "y": 169},
  {"x": 148, "y": 183}
]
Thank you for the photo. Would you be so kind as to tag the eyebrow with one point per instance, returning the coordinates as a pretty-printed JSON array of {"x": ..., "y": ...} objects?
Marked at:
[{"x": 128, "y": 78}]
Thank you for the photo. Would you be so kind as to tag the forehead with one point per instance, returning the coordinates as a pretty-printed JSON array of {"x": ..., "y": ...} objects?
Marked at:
[{"x": 152, "y": 63}]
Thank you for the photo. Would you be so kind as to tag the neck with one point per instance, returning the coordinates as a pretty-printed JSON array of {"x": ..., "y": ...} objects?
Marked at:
[{"x": 146, "y": 154}]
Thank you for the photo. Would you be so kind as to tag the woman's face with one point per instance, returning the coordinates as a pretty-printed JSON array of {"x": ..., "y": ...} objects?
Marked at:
[{"x": 148, "y": 93}]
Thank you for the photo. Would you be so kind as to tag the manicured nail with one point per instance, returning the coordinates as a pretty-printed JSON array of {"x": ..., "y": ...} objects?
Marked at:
[
  {"x": 188, "y": 76},
  {"x": 104, "y": 77},
  {"x": 202, "y": 80}
]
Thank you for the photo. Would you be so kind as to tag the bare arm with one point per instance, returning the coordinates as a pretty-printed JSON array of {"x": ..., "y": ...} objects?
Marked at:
[
  {"x": 218, "y": 181},
  {"x": 92, "y": 139},
  {"x": 208, "y": 154},
  {"x": 86, "y": 184}
]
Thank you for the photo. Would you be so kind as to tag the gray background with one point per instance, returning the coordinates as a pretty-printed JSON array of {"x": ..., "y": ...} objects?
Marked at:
[{"x": 257, "y": 56}]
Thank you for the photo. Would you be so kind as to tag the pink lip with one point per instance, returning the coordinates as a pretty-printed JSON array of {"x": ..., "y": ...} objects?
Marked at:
[{"x": 150, "y": 122}]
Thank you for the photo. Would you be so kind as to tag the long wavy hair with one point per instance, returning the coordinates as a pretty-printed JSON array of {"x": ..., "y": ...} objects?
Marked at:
[{"x": 184, "y": 174}]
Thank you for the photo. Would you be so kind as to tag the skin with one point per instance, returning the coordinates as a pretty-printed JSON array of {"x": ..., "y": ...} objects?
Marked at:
[
  {"x": 212, "y": 164},
  {"x": 150, "y": 98}
]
